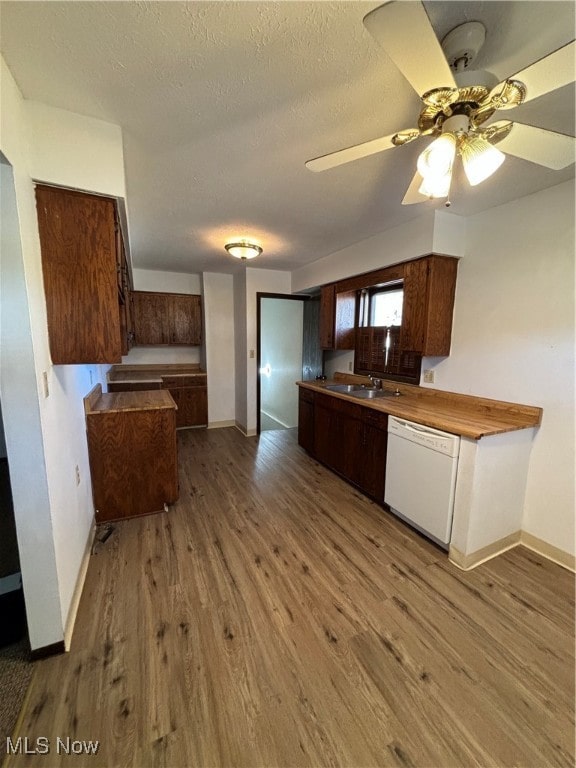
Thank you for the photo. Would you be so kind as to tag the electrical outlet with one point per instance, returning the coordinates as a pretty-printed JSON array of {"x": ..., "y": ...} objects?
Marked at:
[
  {"x": 77, "y": 475},
  {"x": 90, "y": 372},
  {"x": 350, "y": 366},
  {"x": 45, "y": 383},
  {"x": 429, "y": 376},
  {"x": 251, "y": 353}
]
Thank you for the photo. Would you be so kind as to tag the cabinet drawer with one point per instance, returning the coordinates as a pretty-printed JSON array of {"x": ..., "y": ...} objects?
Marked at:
[
  {"x": 307, "y": 395},
  {"x": 339, "y": 406}
]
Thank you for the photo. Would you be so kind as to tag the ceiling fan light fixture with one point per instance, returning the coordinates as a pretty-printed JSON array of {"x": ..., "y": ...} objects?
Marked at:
[
  {"x": 480, "y": 159},
  {"x": 436, "y": 186},
  {"x": 243, "y": 250},
  {"x": 437, "y": 159}
]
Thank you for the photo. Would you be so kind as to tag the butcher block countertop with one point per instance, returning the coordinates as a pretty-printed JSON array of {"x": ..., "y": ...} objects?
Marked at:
[
  {"x": 115, "y": 402},
  {"x": 153, "y": 374},
  {"x": 464, "y": 415}
]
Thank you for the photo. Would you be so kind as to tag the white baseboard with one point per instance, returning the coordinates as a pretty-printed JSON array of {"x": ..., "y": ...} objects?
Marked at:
[
  {"x": 471, "y": 560},
  {"x": 550, "y": 552},
  {"x": 75, "y": 602},
  {"x": 245, "y": 432},
  {"x": 519, "y": 538},
  {"x": 220, "y": 424}
]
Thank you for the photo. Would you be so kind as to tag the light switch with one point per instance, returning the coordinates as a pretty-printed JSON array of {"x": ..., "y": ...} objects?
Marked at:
[{"x": 251, "y": 353}]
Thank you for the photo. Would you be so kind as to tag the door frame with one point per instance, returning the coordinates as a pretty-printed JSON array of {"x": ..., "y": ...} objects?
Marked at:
[{"x": 259, "y": 297}]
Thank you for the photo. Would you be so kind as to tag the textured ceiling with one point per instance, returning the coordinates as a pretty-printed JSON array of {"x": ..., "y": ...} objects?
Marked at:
[{"x": 221, "y": 104}]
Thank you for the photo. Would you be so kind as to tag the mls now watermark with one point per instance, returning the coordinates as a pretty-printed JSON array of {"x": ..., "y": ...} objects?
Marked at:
[{"x": 44, "y": 746}]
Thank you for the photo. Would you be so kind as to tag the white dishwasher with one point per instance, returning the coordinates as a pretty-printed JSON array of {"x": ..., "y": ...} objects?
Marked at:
[{"x": 421, "y": 467}]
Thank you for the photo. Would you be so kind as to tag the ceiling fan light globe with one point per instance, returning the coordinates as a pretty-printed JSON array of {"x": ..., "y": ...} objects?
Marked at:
[
  {"x": 480, "y": 159},
  {"x": 437, "y": 159},
  {"x": 436, "y": 186}
]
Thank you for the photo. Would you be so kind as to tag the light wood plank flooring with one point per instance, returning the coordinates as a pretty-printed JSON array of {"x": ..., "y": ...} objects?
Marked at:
[{"x": 276, "y": 617}]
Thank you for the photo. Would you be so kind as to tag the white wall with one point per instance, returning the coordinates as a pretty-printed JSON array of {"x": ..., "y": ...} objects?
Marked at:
[
  {"x": 219, "y": 345},
  {"x": 74, "y": 150},
  {"x": 408, "y": 241},
  {"x": 513, "y": 339},
  {"x": 165, "y": 282},
  {"x": 240, "y": 351},
  {"x": 281, "y": 333},
  {"x": 53, "y": 515}
]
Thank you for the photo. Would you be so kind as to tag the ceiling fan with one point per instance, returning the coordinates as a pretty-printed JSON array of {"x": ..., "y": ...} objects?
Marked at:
[{"x": 458, "y": 103}]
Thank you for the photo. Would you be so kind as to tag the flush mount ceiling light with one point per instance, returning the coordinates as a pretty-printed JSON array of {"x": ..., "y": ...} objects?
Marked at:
[
  {"x": 243, "y": 250},
  {"x": 450, "y": 89}
]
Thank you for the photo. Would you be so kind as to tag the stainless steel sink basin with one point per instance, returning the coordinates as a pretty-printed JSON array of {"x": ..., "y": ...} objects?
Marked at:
[
  {"x": 344, "y": 389},
  {"x": 371, "y": 394}
]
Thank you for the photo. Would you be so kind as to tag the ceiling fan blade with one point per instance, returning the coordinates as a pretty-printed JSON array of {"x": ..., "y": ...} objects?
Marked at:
[
  {"x": 358, "y": 151},
  {"x": 548, "y": 148},
  {"x": 405, "y": 33},
  {"x": 412, "y": 195},
  {"x": 545, "y": 75}
]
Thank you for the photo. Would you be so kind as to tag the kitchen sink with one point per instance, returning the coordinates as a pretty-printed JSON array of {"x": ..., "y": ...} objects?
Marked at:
[
  {"x": 371, "y": 394},
  {"x": 344, "y": 389}
]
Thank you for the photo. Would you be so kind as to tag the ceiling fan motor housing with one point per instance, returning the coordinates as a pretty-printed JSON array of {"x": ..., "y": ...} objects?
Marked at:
[{"x": 462, "y": 44}]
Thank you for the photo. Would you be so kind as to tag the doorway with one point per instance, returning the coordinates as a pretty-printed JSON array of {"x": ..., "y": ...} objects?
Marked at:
[{"x": 281, "y": 332}]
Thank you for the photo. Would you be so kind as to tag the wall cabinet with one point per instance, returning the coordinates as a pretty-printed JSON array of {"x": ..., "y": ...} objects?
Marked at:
[
  {"x": 167, "y": 318},
  {"x": 429, "y": 290},
  {"x": 132, "y": 451},
  {"x": 82, "y": 267},
  {"x": 337, "y": 318},
  {"x": 348, "y": 438}
]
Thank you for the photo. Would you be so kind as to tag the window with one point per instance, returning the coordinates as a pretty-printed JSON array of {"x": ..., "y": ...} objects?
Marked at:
[
  {"x": 386, "y": 307},
  {"x": 381, "y": 306}
]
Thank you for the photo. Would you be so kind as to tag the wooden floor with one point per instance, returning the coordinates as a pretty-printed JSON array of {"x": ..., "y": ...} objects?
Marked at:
[{"x": 276, "y": 617}]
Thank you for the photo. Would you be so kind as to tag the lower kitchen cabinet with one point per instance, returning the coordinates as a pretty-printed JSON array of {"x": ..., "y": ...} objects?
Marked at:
[
  {"x": 191, "y": 398},
  {"x": 132, "y": 451},
  {"x": 306, "y": 419},
  {"x": 348, "y": 438}
]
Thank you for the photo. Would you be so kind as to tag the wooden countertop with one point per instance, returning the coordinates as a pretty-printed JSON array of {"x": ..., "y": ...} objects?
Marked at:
[
  {"x": 464, "y": 415},
  {"x": 153, "y": 374},
  {"x": 114, "y": 402}
]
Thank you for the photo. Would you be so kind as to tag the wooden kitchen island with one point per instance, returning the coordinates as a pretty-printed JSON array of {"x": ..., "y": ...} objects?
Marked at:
[{"x": 132, "y": 451}]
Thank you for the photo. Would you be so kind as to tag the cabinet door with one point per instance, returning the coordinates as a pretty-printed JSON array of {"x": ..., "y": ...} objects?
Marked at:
[
  {"x": 327, "y": 309},
  {"x": 345, "y": 320},
  {"x": 415, "y": 305},
  {"x": 185, "y": 319},
  {"x": 78, "y": 244},
  {"x": 338, "y": 435},
  {"x": 429, "y": 290},
  {"x": 192, "y": 407},
  {"x": 151, "y": 318},
  {"x": 306, "y": 420},
  {"x": 374, "y": 446}
]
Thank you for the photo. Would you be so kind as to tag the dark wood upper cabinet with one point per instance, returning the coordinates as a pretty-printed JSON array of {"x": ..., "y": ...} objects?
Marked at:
[
  {"x": 327, "y": 309},
  {"x": 429, "y": 290},
  {"x": 80, "y": 265},
  {"x": 337, "y": 318},
  {"x": 167, "y": 318}
]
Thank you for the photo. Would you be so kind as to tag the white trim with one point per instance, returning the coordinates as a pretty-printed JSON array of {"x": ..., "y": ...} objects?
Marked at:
[
  {"x": 549, "y": 551},
  {"x": 220, "y": 424},
  {"x": 275, "y": 419},
  {"x": 245, "y": 432},
  {"x": 75, "y": 602},
  {"x": 471, "y": 560}
]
